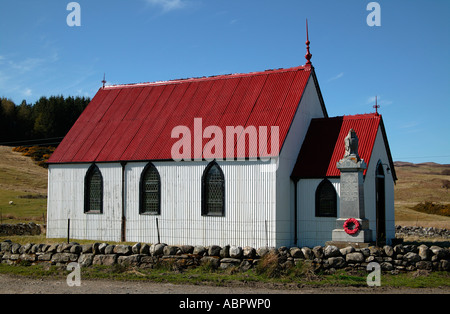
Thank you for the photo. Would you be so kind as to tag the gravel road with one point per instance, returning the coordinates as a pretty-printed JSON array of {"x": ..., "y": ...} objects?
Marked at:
[{"x": 10, "y": 284}]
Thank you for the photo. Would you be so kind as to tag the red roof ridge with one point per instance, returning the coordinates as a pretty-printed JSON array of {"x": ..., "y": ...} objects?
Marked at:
[
  {"x": 202, "y": 78},
  {"x": 362, "y": 116},
  {"x": 352, "y": 117}
]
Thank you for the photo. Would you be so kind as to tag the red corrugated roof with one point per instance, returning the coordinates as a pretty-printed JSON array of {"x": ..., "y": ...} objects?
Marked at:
[
  {"x": 134, "y": 122},
  {"x": 324, "y": 144}
]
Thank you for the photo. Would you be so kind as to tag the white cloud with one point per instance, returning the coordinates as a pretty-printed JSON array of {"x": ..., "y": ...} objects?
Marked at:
[
  {"x": 371, "y": 100},
  {"x": 26, "y": 65},
  {"x": 20, "y": 77},
  {"x": 336, "y": 77},
  {"x": 29, "y": 64},
  {"x": 167, "y": 5},
  {"x": 409, "y": 125},
  {"x": 27, "y": 92}
]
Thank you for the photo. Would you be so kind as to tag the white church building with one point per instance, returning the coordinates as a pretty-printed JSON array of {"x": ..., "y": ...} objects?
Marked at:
[{"x": 240, "y": 159}]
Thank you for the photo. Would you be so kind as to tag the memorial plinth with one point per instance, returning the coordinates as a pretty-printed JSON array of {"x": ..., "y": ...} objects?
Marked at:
[{"x": 351, "y": 197}]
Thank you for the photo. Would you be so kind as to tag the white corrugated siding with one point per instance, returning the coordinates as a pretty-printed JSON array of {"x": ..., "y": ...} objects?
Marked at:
[
  {"x": 313, "y": 230},
  {"x": 249, "y": 203},
  {"x": 379, "y": 154},
  {"x": 66, "y": 201}
]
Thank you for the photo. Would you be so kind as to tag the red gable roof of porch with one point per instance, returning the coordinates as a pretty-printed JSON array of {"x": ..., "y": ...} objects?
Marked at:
[
  {"x": 134, "y": 122},
  {"x": 324, "y": 145}
]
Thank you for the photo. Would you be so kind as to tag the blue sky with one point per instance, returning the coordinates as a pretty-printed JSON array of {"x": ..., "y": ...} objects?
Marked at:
[{"x": 405, "y": 61}]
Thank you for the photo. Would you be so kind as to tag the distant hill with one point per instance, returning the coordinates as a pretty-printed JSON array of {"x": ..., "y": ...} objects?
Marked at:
[
  {"x": 410, "y": 164},
  {"x": 433, "y": 164},
  {"x": 403, "y": 164},
  {"x": 418, "y": 183}
]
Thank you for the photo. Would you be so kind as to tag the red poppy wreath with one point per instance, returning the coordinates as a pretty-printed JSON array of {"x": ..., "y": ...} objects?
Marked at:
[{"x": 348, "y": 223}]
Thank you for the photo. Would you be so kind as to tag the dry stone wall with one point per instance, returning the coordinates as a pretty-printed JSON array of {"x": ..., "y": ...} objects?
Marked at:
[
  {"x": 328, "y": 258},
  {"x": 400, "y": 231},
  {"x": 20, "y": 229},
  {"x": 425, "y": 232}
]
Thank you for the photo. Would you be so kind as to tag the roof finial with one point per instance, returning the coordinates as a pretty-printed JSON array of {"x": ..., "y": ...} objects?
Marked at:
[
  {"x": 376, "y": 105},
  {"x": 103, "y": 80},
  {"x": 308, "y": 54}
]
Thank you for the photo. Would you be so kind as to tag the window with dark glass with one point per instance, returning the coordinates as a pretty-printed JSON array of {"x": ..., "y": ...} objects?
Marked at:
[
  {"x": 213, "y": 191},
  {"x": 93, "y": 191},
  {"x": 326, "y": 200},
  {"x": 150, "y": 191}
]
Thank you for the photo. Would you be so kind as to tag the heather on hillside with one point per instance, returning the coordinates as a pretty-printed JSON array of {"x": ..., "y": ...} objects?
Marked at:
[
  {"x": 39, "y": 154},
  {"x": 433, "y": 208}
]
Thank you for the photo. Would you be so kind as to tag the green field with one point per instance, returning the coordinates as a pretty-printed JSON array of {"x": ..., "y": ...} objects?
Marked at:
[{"x": 24, "y": 184}]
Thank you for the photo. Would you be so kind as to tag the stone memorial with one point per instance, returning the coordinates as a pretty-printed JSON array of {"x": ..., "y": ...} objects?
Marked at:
[{"x": 351, "y": 226}]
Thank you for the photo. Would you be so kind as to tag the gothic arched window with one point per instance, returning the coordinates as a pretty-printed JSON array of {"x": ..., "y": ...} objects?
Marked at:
[
  {"x": 150, "y": 191},
  {"x": 93, "y": 191},
  {"x": 326, "y": 200},
  {"x": 213, "y": 191}
]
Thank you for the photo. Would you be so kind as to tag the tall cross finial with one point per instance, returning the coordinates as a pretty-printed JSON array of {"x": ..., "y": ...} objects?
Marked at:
[
  {"x": 104, "y": 81},
  {"x": 376, "y": 105},
  {"x": 308, "y": 54}
]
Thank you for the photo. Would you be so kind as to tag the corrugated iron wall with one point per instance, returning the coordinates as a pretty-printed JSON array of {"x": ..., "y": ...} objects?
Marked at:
[
  {"x": 313, "y": 230},
  {"x": 249, "y": 205},
  {"x": 66, "y": 201},
  {"x": 379, "y": 154}
]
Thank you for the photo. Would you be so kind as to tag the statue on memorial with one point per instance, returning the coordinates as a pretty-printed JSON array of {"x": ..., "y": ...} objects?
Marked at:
[
  {"x": 351, "y": 197},
  {"x": 351, "y": 145}
]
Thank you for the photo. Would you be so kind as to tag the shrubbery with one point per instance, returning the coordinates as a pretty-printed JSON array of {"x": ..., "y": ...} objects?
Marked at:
[
  {"x": 433, "y": 208},
  {"x": 39, "y": 154}
]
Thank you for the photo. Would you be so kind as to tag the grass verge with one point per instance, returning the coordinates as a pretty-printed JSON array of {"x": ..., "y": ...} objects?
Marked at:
[
  {"x": 292, "y": 278},
  {"x": 16, "y": 206}
]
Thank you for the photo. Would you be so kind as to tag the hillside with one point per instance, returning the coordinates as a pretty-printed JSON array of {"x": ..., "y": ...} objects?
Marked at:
[
  {"x": 25, "y": 183},
  {"x": 420, "y": 183}
]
